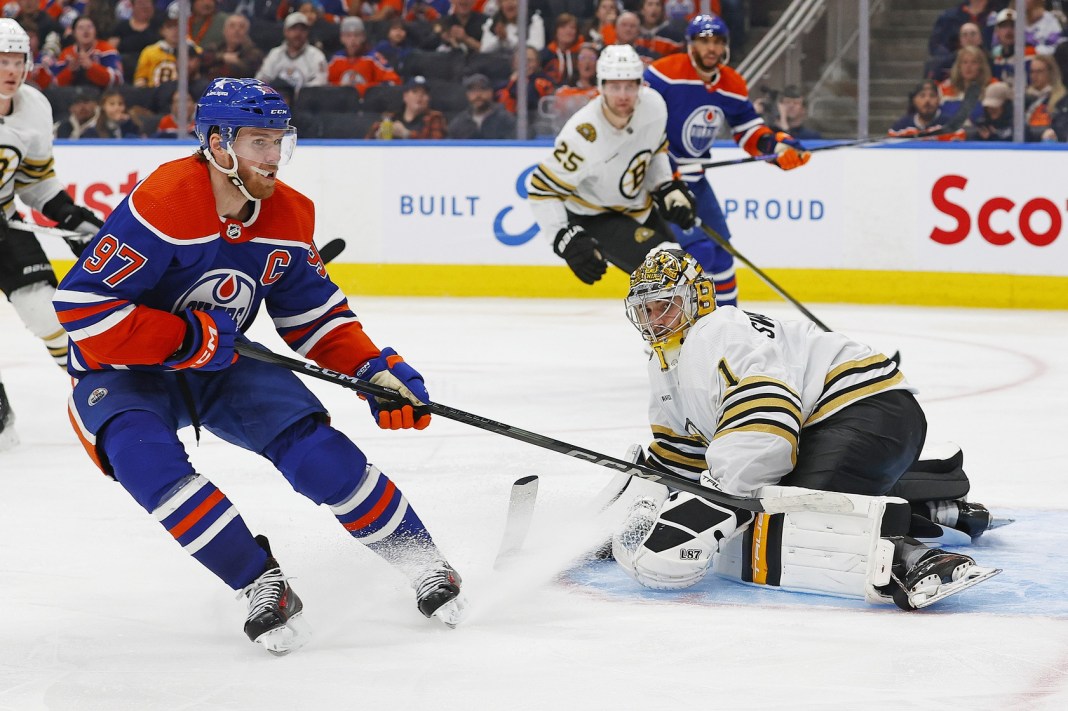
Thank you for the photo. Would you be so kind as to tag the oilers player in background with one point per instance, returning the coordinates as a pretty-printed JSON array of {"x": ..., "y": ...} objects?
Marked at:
[
  {"x": 749, "y": 405},
  {"x": 606, "y": 191},
  {"x": 26, "y": 276},
  {"x": 704, "y": 95},
  {"x": 153, "y": 309}
]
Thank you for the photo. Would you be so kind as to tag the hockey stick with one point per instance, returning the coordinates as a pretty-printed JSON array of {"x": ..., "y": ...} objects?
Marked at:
[
  {"x": 971, "y": 98},
  {"x": 34, "y": 228},
  {"x": 815, "y": 501},
  {"x": 520, "y": 513},
  {"x": 331, "y": 250},
  {"x": 730, "y": 249}
]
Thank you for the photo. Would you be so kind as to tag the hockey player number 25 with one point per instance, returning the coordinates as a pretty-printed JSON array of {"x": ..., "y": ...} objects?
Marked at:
[{"x": 107, "y": 248}]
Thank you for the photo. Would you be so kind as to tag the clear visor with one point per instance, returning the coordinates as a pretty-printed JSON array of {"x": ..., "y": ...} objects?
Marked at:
[
  {"x": 272, "y": 146},
  {"x": 658, "y": 315},
  {"x": 620, "y": 87},
  {"x": 9, "y": 61}
]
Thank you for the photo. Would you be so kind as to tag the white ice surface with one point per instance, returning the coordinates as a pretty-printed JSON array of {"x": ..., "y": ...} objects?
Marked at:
[{"x": 101, "y": 610}]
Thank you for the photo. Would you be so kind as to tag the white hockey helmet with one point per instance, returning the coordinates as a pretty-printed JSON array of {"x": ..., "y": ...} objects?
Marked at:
[
  {"x": 14, "y": 39},
  {"x": 619, "y": 61},
  {"x": 676, "y": 283}
]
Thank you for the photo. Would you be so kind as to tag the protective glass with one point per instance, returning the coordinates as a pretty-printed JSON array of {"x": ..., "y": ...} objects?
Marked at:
[{"x": 272, "y": 146}]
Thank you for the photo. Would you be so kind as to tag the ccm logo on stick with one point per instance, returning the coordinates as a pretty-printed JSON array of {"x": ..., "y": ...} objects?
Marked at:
[{"x": 1049, "y": 224}]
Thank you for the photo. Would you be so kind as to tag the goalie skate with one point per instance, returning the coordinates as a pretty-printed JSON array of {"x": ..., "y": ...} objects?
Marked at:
[
  {"x": 437, "y": 594},
  {"x": 274, "y": 610},
  {"x": 935, "y": 576}
]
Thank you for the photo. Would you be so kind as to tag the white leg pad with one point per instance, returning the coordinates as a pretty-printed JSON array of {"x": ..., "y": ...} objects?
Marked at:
[{"x": 827, "y": 553}]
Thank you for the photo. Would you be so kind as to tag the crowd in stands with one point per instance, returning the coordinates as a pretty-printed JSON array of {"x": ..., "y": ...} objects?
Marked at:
[
  {"x": 379, "y": 69},
  {"x": 972, "y": 46}
]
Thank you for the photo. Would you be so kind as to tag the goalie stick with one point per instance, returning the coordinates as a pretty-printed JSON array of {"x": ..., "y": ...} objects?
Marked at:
[
  {"x": 520, "y": 512},
  {"x": 814, "y": 501},
  {"x": 954, "y": 124}
]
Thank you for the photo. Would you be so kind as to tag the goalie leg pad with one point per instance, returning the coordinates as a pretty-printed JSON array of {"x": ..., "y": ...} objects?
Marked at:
[
  {"x": 668, "y": 543},
  {"x": 844, "y": 555}
]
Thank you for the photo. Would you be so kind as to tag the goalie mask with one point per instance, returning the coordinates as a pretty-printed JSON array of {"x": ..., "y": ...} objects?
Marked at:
[{"x": 667, "y": 294}]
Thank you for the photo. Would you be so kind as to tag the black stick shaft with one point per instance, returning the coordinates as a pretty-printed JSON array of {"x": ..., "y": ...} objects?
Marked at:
[
  {"x": 722, "y": 242},
  {"x": 815, "y": 501}
]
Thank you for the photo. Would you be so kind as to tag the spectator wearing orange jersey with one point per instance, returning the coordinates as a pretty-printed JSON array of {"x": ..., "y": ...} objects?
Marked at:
[
  {"x": 559, "y": 56},
  {"x": 654, "y": 33},
  {"x": 602, "y": 32},
  {"x": 580, "y": 90},
  {"x": 352, "y": 67},
  {"x": 89, "y": 60},
  {"x": 416, "y": 120},
  {"x": 538, "y": 83}
]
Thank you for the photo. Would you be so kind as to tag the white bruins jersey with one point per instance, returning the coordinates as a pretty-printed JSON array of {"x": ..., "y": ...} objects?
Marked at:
[
  {"x": 743, "y": 386},
  {"x": 596, "y": 167},
  {"x": 26, "y": 163}
]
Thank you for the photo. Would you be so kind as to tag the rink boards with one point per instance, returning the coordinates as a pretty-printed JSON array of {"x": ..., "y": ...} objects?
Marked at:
[{"x": 915, "y": 225}]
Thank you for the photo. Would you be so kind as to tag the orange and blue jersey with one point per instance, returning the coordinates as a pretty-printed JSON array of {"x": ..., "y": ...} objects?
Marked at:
[
  {"x": 698, "y": 111},
  {"x": 105, "y": 72},
  {"x": 165, "y": 249},
  {"x": 361, "y": 72}
]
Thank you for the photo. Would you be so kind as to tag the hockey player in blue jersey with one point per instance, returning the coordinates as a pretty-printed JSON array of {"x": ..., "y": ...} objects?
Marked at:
[
  {"x": 153, "y": 309},
  {"x": 703, "y": 95}
]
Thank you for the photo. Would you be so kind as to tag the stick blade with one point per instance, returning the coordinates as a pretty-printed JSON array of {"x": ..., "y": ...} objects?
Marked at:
[
  {"x": 826, "y": 501},
  {"x": 331, "y": 250},
  {"x": 520, "y": 513}
]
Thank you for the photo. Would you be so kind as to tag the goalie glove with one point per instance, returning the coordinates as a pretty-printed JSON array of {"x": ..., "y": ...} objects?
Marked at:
[
  {"x": 676, "y": 203},
  {"x": 581, "y": 252},
  {"x": 789, "y": 153},
  {"x": 390, "y": 371},
  {"x": 72, "y": 218}
]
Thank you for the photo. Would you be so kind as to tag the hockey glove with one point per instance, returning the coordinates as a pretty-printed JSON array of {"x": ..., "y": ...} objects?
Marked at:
[
  {"x": 789, "y": 151},
  {"x": 581, "y": 252},
  {"x": 676, "y": 203},
  {"x": 390, "y": 371},
  {"x": 72, "y": 218},
  {"x": 208, "y": 342}
]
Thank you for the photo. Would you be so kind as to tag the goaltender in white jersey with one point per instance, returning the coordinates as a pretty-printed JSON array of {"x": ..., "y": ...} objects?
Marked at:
[
  {"x": 607, "y": 187},
  {"x": 733, "y": 395},
  {"x": 26, "y": 169}
]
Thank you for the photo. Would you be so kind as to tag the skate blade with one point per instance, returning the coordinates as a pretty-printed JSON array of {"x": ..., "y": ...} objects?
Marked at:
[
  {"x": 452, "y": 612},
  {"x": 998, "y": 522},
  {"x": 288, "y": 638},
  {"x": 974, "y": 576},
  {"x": 9, "y": 439}
]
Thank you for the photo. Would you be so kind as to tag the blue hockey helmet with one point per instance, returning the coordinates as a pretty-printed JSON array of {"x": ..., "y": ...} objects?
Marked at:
[
  {"x": 707, "y": 26},
  {"x": 231, "y": 104}
]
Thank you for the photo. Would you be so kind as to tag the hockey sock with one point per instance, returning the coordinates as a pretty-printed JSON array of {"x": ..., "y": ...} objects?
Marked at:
[
  {"x": 151, "y": 464},
  {"x": 324, "y": 465},
  {"x": 34, "y": 306}
]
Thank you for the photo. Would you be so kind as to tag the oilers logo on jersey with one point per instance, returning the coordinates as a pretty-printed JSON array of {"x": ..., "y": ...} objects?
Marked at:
[
  {"x": 225, "y": 289},
  {"x": 701, "y": 127}
]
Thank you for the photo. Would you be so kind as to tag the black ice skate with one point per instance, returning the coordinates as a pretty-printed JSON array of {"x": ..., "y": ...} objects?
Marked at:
[
  {"x": 969, "y": 518},
  {"x": 437, "y": 594},
  {"x": 274, "y": 610},
  {"x": 922, "y": 576},
  {"x": 8, "y": 437}
]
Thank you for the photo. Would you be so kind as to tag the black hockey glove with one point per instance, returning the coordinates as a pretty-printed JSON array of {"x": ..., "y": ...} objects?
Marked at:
[
  {"x": 581, "y": 252},
  {"x": 72, "y": 218},
  {"x": 676, "y": 203}
]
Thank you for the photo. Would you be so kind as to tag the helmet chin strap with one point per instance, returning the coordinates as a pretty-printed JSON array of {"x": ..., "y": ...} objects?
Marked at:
[{"x": 231, "y": 173}]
